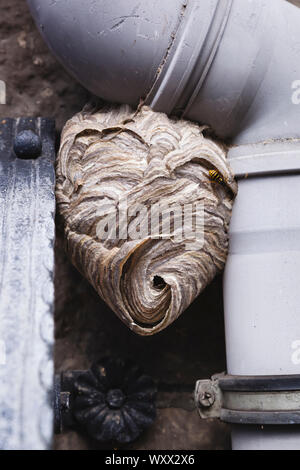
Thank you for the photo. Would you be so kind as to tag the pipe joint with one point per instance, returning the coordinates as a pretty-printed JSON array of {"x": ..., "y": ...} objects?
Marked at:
[{"x": 260, "y": 400}]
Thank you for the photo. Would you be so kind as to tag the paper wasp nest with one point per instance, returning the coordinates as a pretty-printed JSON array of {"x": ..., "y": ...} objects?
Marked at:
[{"x": 146, "y": 202}]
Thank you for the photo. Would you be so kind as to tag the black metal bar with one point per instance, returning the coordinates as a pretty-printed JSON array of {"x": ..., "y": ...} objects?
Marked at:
[{"x": 27, "y": 206}]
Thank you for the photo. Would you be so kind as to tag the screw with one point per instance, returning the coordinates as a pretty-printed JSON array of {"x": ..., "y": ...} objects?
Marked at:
[
  {"x": 206, "y": 396},
  {"x": 27, "y": 145}
]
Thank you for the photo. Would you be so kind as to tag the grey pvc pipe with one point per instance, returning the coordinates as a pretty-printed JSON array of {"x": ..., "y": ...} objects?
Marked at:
[
  {"x": 233, "y": 64},
  {"x": 229, "y": 63},
  {"x": 261, "y": 281}
]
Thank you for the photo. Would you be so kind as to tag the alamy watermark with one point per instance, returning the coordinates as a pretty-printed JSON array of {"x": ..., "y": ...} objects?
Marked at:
[{"x": 178, "y": 222}]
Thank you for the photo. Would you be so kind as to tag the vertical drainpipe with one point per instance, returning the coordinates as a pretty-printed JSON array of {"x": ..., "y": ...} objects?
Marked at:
[
  {"x": 234, "y": 64},
  {"x": 261, "y": 281}
]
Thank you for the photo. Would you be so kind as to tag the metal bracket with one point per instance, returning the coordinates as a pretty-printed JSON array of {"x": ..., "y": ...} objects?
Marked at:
[
  {"x": 208, "y": 397},
  {"x": 250, "y": 400},
  {"x": 111, "y": 401}
]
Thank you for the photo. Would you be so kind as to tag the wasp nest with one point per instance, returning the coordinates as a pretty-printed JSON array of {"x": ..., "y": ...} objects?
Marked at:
[{"x": 146, "y": 202}]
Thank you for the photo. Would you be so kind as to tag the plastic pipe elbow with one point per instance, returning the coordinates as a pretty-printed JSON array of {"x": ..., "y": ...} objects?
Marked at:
[
  {"x": 232, "y": 64},
  {"x": 114, "y": 48}
]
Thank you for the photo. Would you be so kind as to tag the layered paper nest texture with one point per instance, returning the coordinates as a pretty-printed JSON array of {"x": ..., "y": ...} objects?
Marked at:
[{"x": 146, "y": 203}]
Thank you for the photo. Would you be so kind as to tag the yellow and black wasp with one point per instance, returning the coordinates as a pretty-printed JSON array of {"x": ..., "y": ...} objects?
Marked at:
[{"x": 216, "y": 177}]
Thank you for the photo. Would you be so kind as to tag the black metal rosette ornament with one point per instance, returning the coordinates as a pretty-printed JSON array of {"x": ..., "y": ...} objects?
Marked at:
[{"x": 114, "y": 401}]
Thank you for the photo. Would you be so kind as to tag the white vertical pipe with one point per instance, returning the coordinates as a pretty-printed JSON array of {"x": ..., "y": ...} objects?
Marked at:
[{"x": 262, "y": 293}]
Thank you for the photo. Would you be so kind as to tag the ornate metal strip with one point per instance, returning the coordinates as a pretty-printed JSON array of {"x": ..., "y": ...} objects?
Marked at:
[{"x": 27, "y": 206}]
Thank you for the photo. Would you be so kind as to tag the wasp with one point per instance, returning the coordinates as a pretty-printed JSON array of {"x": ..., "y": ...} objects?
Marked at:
[{"x": 215, "y": 176}]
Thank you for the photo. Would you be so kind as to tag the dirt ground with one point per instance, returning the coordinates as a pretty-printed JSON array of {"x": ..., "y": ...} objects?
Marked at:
[{"x": 86, "y": 329}]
